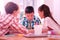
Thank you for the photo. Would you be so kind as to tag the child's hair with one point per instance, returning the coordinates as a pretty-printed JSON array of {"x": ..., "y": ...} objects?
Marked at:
[
  {"x": 46, "y": 11},
  {"x": 29, "y": 9},
  {"x": 10, "y": 7}
]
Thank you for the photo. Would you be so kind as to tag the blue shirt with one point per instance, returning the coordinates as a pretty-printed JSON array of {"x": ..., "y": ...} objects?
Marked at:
[{"x": 26, "y": 22}]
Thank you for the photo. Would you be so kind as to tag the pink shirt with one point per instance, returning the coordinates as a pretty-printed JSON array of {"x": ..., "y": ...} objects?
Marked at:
[
  {"x": 48, "y": 22},
  {"x": 8, "y": 23}
]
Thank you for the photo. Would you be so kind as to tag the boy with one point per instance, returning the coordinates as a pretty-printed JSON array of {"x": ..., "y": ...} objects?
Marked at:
[
  {"x": 8, "y": 23},
  {"x": 30, "y": 20}
]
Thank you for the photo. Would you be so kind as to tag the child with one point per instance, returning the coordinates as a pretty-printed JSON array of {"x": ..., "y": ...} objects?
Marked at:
[
  {"x": 49, "y": 21},
  {"x": 30, "y": 20},
  {"x": 8, "y": 23}
]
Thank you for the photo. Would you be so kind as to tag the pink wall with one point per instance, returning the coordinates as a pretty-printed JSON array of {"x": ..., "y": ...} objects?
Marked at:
[
  {"x": 50, "y": 4},
  {"x": 3, "y": 3},
  {"x": 55, "y": 8}
]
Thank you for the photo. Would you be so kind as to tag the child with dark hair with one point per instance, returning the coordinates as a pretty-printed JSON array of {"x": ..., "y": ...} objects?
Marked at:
[
  {"x": 30, "y": 20},
  {"x": 9, "y": 24},
  {"x": 49, "y": 21}
]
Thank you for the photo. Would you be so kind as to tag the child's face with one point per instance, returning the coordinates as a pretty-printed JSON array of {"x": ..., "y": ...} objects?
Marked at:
[
  {"x": 41, "y": 14},
  {"x": 15, "y": 13},
  {"x": 30, "y": 16}
]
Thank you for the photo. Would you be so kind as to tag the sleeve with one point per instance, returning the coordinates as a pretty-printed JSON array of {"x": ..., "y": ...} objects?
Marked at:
[
  {"x": 52, "y": 24},
  {"x": 18, "y": 27},
  {"x": 45, "y": 25},
  {"x": 5, "y": 20},
  {"x": 3, "y": 32},
  {"x": 37, "y": 20},
  {"x": 23, "y": 22},
  {"x": 4, "y": 25},
  {"x": 5, "y": 28}
]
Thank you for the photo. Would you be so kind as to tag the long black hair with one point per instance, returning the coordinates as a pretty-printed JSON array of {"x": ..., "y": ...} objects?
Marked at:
[{"x": 47, "y": 12}]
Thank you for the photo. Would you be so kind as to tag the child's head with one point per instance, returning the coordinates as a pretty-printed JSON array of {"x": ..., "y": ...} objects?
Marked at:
[
  {"x": 29, "y": 12},
  {"x": 44, "y": 11},
  {"x": 11, "y": 8}
]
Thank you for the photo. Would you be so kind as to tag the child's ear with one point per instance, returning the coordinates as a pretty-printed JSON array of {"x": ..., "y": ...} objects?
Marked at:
[{"x": 14, "y": 11}]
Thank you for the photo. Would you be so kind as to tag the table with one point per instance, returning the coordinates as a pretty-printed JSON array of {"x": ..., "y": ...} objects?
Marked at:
[
  {"x": 23, "y": 38},
  {"x": 53, "y": 37}
]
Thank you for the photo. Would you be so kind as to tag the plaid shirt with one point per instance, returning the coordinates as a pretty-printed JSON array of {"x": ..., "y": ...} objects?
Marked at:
[
  {"x": 25, "y": 22},
  {"x": 9, "y": 23}
]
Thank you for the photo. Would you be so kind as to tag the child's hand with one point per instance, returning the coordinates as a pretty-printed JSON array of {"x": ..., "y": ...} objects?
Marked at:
[
  {"x": 31, "y": 31},
  {"x": 44, "y": 30}
]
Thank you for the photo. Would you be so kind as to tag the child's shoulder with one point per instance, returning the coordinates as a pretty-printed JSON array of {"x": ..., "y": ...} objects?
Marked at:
[
  {"x": 47, "y": 18},
  {"x": 36, "y": 18}
]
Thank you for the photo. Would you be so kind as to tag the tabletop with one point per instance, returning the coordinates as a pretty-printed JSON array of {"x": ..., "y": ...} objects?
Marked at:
[{"x": 20, "y": 37}]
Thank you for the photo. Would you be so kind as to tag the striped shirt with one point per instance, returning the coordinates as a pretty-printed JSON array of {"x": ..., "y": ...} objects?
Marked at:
[{"x": 9, "y": 23}]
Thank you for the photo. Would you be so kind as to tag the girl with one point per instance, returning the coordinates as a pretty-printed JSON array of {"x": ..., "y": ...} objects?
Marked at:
[{"x": 49, "y": 21}]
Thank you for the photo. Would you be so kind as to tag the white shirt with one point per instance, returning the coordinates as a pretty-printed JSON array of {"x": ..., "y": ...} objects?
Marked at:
[
  {"x": 48, "y": 22},
  {"x": 42, "y": 21}
]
